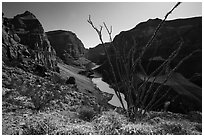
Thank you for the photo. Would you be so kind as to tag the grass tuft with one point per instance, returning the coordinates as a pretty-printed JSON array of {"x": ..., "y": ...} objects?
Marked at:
[{"x": 86, "y": 113}]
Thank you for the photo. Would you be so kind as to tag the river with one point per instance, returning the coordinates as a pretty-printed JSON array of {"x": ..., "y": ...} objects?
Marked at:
[{"x": 104, "y": 87}]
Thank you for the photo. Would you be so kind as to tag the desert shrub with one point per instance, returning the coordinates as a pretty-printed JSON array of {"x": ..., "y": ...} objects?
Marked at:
[
  {"x": 86, "y": 113},
  {"x": 39, "y": 92},
  {"x": 171, "y": 128},
  {"x": 57, "y": 78},
  {"x": 163, "y": 128},
  {"x": 79, "y": 129},
  {"x": 34, "y": 128},
  {"x": 198, "y": 127},
  {"x": 166, "y": 128},
  {"x": 195, "y": 116},
  {"x": 41, "y": 124},
  {"x": 55, "y": 123},
  {"x": 109, "y": 123},
  {"x": 137, "y": 129}
]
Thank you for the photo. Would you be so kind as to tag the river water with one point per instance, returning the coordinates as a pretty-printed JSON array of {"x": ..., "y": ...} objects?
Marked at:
[{"x": 103, "y": 86}]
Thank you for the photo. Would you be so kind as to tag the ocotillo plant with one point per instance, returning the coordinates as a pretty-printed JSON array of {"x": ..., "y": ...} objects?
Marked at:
[
  {"x": 99, "y": 32},
  {"x": 128, "y": 64}
]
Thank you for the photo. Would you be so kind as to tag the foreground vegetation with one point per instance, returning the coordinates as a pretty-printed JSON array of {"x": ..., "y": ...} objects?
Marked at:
[
  {"x": 106, "y": 123},
  {"x": 71, "y": 112}
]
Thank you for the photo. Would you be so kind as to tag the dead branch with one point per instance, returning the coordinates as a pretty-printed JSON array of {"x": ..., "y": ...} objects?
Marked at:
[{"x": 99, "y": 32}]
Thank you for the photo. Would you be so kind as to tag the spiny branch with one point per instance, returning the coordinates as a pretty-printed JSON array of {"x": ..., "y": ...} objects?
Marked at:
[
  {"x": 108, "y": 30},
  {"x": 107, "y": 55},
  {"x": 155, "y": 33},
  {"x": 169, "y": 75}
]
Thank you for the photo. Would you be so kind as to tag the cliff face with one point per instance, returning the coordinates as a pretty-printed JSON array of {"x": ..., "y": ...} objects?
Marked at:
[
  {"x": 25, "y": 42},
  {"x": 97, "y": 54},
  {"x": 66, "y": 44},
  {"x": 166, "y": 41}
]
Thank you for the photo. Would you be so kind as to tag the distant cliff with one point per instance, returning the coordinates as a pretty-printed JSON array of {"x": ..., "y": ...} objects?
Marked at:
[
  {"x": 25, "y": 43},
  {"x": 97, "y": 54},
  {"x": 166, "y": 41},
  {"x": 66, "y": 44},
  {"x": 188, "y": 76}
]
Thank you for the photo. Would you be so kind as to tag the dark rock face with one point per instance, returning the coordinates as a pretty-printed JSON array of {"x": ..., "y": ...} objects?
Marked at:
[
  {"x": 166, "y": 41},
  {"x": 190, "y": 30},
  {"x": 24, "y": 41},
  {"x": 66, "y": 44},
  {"x": 97, "y": 54}
]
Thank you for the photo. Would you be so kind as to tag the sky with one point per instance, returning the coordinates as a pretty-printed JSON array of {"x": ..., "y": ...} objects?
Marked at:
[{"x": 122, "y": 16}]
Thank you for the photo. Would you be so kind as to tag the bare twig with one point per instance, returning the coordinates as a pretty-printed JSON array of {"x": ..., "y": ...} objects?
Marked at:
[
  {"x": 162, "y": 97},
  {"x": 154, "y": 35},
  {"x": 109, "y": 31},
  {"x": 127, "y": 63},
  {"x": 168, "y": 76},
  {"x": 170, "y": 58},
  {"x": 108, "y": 57}
]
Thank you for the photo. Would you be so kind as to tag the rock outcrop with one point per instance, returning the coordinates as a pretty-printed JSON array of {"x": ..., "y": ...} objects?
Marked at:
[
  {"x": 66, "y": 44},
  {"x": 25, "y": 43},
  {"x": 166, "y": 41}
]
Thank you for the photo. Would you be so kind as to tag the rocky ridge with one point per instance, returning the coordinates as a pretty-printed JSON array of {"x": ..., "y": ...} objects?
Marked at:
[
  {"x": 25, "y": 44},
  {"x": 67, "y": 45}
]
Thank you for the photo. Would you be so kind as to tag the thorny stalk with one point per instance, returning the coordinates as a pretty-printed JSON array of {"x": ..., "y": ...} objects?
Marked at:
[
  {"x": 126, "y": 78},
  {"x": 154, "y": 35},
  {"x": 108, "y": 57},
  {"x": 168, "y": 76},
  {"x": 127, "y": 65},
  {"x": 162, "y": 66},
  {"x": 117, "y": 57},
  {"x": 169, "y": 59}
]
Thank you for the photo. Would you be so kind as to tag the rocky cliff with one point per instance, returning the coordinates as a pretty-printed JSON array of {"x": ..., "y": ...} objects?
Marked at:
[
  {"x": 24, "y": 43},
  {"x": 66, "y": 44},
  {"x": 166, "y": 41},
  {"x": 97, "y": 54}
]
